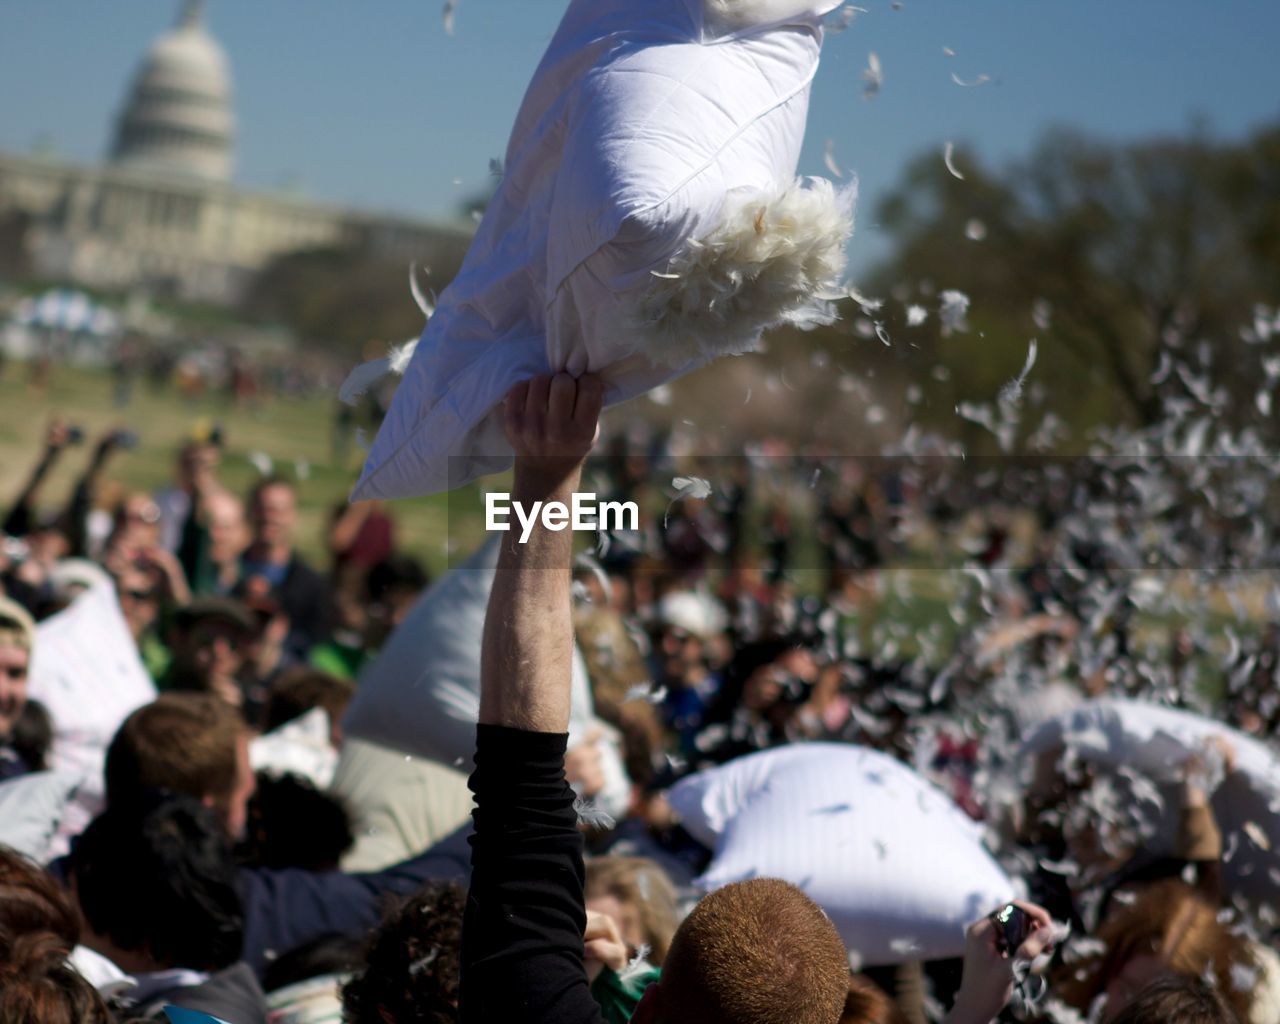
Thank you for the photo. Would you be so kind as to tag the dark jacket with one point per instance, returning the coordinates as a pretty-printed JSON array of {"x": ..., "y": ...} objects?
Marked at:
[
  {"x": 306, "y": 599},
  {"x": 284, "y": 909}
]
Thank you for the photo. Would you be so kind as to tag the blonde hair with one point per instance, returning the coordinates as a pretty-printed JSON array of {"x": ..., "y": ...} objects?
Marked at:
[
  {"x": 17, "y": 627},
  {"x": 640, "y": 883}
]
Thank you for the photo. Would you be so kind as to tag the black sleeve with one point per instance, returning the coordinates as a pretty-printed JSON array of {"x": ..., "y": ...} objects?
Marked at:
[{"x": 522, "y": 934}]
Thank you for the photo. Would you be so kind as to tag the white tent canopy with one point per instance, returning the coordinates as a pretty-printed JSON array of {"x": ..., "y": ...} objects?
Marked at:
[{"x": 64, "y": 309}]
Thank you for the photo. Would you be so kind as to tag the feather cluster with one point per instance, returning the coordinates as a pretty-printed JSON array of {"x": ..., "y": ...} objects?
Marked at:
[{"x": 768, "y": 262}]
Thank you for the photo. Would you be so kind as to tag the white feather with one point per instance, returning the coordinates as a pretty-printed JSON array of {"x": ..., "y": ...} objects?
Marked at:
[
  {"x": 636, "y": 966},
  {"x": 768, "y": 261},
  {"x": 592, "y": 816},
  {"x": 366, "y": 375},
  {"x": 427, "y": 306}
]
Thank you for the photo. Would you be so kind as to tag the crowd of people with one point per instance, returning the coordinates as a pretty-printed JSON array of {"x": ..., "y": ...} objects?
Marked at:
[{"x": 924, "y": 608}]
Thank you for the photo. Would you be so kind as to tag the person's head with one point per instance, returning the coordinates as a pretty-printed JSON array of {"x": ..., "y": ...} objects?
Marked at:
[
  {"x": 39, "y": 986},
  {"x": 1178, "y": 1001},
  {"x": 273, "y": 513},
  {"x": 209, "y": 640},
  {"x": 139, "y": 591},
  {"x": 413, "y": 963},
  {"x": 391, "y": 588},
  {"x": 292, "y": 824},
  {"x": 868, "y": 1003},
  {"x": 1169, "y": 931},
  {"x": 17, "y": 638},
  {"x": 135, "y": 523},
  {"x": 767, "y": 672},
  {"x": 637, "y": 894},
  {"x": 188, "y": 743},
  {"x": 755, "y": 952},
  {"x": 300, "y": 689},
  {"x": 686, "y": 624},
  {"x": 32, "y": 900},
  {"x": 226, "y": 525},
  {"x": 39, "y": 927},
  {"x": 156, "y": 883},
  {"x": 196, "y": 460}
]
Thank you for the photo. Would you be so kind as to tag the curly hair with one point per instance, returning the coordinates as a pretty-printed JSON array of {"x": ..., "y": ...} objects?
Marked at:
[{"x": 413, "y": 963}]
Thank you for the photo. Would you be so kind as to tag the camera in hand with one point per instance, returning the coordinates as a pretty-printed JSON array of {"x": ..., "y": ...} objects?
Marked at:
[{"x": 1012, "y": 925}]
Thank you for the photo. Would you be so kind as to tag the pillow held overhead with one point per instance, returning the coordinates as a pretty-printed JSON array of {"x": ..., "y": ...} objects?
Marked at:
[{"x": 648, "y": 220}]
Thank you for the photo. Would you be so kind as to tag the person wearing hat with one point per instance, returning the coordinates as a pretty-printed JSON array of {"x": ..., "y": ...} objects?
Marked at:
[
  {"x": 17, "y": 639},
  {"x": 209, "y": 639},
  {"x": 684, "y": 660}
]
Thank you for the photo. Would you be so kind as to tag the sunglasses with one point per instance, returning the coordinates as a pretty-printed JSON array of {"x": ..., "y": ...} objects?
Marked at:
[{"x": 14, "y": 671}]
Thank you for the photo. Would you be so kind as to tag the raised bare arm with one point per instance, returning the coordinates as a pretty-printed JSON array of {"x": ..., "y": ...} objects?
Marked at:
[{"x": 525, "y": 659}]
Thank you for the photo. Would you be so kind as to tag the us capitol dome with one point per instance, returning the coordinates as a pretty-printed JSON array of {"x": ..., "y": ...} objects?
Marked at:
[
  {"x": 178, "y": 116},
  {"x": 162, "y": 215}
]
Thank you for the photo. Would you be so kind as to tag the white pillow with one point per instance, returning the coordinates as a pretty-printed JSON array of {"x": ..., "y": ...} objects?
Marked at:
[
  {"x": 421, "y": 695},
  {"x": 86, "y": 671},
  {"x": 32, "y": 810},
  {"x": 894, "y": 863},
  {"x": 1156, "y": 741},
  {"x": 655, "y": 139},
  {"x": 299, "y": 747}
]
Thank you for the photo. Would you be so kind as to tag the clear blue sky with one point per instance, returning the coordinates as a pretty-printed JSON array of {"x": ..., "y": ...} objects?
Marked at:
[{"x": 372, "y": 103}]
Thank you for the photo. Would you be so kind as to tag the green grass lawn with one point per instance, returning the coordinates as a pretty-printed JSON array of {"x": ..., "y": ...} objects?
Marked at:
[{"x": 295, "y": 433}]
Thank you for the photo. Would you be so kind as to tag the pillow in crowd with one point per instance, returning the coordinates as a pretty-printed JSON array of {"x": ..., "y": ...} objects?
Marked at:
[
  {"x": 899, "y": 869},
  {"x": 648, "y": 220},
  {"x": 300, "y": 747},
  {"x": 1129, "y": 736},
  {"x": 86, "y": 671},
  {"x": 421, "y": 695},
  {"x": 33, "y": 809}
]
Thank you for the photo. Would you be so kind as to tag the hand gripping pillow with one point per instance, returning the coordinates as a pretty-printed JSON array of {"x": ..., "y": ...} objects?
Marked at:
[
  {"x": 894, "y": 863},
  {"x": 1156, "y": 741},
  {"x": 421, "y": 695},
  {"x": 648, "y": 220}
]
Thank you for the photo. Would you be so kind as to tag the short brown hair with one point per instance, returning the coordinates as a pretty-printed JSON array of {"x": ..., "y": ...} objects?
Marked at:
[
  {"x": 642, "y": 884},
  {"x": 1177, "y": 1001},
  {"x": 181, "y": 742},
  {"x": 755, "y": 952}
]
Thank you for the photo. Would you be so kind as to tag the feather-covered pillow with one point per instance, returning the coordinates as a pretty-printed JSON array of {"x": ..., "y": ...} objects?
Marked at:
[{"x": 648, "y": 220}]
